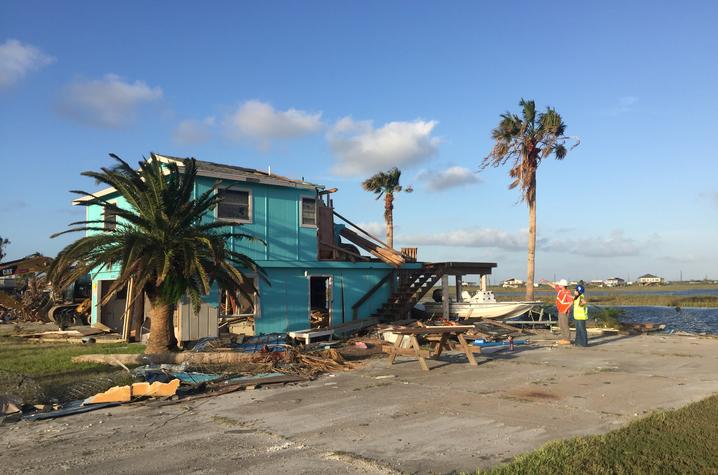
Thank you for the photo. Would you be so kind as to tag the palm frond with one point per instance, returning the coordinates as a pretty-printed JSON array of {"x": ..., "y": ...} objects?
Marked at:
[{"x": 161, "y": 240}]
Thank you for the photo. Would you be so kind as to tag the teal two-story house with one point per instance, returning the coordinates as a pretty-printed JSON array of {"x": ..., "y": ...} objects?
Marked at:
[{"x": 314, "y": 278}]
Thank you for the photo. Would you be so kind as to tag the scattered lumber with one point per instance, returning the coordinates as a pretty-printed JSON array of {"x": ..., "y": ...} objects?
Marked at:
[{"x": 218, "y": 357}]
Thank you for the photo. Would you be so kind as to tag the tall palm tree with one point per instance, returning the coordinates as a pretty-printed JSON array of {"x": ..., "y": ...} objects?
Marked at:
[
  {"x": 386, "y": 183},
  {"x": 525, "y": 141},
  {"x": 161, "y": 242}
]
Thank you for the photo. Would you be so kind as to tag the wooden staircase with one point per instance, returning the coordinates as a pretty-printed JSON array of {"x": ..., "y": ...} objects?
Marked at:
[{"x": 413, "y": 285}]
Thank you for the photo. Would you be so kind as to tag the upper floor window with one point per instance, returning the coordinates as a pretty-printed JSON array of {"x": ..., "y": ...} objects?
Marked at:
[
  {"x": 109, "y": 218},
  {"x": 309, "y": 212},
  {"x": 235, "y": 205}
]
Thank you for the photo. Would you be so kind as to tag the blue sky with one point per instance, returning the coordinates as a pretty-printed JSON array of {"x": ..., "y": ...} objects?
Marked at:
[{"x": 333, "y": 91}]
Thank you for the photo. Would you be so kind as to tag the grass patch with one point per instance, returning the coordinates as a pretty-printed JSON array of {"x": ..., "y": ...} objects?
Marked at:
[
  {"x": 680, "y": 441},
  {"x": 607, "y": 317},
  {"x": 50, "y": 368}
]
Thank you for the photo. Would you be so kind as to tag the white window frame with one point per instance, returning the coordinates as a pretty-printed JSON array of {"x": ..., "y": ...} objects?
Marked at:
[
  {"x": 250, "y": 202},
  {"x": 301, "y": 212}
]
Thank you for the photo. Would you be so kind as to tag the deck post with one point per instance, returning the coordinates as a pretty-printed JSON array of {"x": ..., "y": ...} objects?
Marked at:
[
  {"x": 484, "y": 282},
  {"x": 458, "y": 289},
  {"x": 445, "y": 295}
]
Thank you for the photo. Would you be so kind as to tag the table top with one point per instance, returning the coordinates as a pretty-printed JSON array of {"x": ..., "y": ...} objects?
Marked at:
[{"x": 434, "y": 330}]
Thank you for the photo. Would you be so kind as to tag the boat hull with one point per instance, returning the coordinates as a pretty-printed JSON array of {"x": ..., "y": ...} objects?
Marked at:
[{"x": 464, "y": 310}]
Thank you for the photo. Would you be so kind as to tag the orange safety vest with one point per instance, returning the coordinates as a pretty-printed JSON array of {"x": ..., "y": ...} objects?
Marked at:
[{"x": 564, "y": 300}]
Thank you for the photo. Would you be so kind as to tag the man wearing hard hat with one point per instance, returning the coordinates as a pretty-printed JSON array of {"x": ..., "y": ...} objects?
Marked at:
[{"x": 564, "y": 302}]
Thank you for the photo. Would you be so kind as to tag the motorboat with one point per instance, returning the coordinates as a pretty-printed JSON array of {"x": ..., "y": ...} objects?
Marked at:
[{"x": 482, "y": 304}]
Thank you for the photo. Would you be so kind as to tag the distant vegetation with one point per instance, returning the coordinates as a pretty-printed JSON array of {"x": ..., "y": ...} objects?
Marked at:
[{"x": 680, "y": 441}]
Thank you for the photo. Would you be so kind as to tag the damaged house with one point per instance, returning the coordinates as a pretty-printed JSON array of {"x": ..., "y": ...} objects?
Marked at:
[{"x": 325, "y": 273}]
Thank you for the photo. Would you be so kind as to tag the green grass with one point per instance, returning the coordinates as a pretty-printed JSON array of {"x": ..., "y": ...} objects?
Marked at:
[
  {"x": 49, "y": 365},
  {"x": 680, "y": 441},
  {"x": 607, "y": 317}
]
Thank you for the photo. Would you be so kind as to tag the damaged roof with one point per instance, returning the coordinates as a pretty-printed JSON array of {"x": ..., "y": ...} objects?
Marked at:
[{"x": 227, "y": 172}]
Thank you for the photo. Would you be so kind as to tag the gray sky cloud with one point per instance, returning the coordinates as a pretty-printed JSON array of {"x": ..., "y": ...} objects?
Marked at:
[
  {"x": 616, "y": 244},
  {"x": 451, "y": 177},
  {"x": 108, "y": 102},
  {"x": 361, "y": 149},
  {"x": 192, "y": 132},
  {"x": 18, "y": 59}
]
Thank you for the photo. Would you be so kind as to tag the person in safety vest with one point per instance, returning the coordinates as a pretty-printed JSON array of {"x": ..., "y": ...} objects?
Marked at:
[
  {"x": 563, "y": 307},
  {"x": 580, "y": 315}
]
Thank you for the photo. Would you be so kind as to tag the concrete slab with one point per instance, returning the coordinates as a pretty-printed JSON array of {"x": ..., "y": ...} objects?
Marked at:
[{"x": 384, "y": 419}]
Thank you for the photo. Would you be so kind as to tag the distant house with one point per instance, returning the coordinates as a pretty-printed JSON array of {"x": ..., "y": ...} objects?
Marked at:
[
  {"x": 614, "y": 282},
  {"x": 649, "y": 279},
  {"x": 512, "y": 283},
  {"x": 597, "y": 282}
]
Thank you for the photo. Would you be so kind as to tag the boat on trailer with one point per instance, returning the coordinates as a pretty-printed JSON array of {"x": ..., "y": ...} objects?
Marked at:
[{"x": 482, "y": 304}]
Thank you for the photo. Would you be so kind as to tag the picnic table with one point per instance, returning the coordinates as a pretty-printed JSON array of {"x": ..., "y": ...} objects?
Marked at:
[{"x": 441, "y": 336}]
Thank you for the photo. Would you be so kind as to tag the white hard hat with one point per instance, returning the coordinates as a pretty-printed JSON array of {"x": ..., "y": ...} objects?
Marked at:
[{"x": 563, "y": 283}]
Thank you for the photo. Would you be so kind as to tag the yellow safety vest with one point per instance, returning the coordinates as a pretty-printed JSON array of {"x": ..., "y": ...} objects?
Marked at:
[{"x": 580, "y": 312}]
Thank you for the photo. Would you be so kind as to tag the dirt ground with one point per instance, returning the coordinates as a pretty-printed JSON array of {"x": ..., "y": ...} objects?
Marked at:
[{"x": 382, "y": 419}]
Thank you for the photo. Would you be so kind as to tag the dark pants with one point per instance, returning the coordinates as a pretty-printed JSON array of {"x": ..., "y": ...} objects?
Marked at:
[{"x": 581, "y": 335}]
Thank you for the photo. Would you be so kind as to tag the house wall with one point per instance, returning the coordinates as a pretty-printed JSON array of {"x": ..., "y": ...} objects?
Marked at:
[
  {"x": 275, "y": 219},
  {"x": 289, "y": 258},
  {"x": 284, "y": 301}
]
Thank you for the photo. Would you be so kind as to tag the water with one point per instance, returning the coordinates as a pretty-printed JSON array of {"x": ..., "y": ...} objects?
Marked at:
[
  {"x": 694, "y": 320},
  {"x": 590, "y": 291}
]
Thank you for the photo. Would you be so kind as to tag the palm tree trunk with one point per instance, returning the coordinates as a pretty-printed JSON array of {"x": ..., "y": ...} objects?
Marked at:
[
  {"x": 389, "y": 218},
  {"x": 162, "y": 337},
  {"x": 532, "y": 249}
]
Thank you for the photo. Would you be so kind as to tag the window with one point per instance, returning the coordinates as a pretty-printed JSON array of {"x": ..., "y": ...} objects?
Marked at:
[
  {"x": 109, "y": 219},
  {"x": 235, "y": 205},
  {"x": 309, "y": 212}
]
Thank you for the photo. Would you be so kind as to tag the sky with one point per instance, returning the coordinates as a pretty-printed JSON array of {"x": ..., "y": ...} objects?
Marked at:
[{"x": 335, "y": 91}]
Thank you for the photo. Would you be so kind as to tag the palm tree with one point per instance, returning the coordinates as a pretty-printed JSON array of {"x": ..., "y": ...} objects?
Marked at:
[
  {"x": 525, "y": 141},
  {"x": 161, "y": 243},
  {"x": 386, "y": 183}
]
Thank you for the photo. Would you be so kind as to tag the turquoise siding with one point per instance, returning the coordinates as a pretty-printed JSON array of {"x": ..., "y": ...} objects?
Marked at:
[
  {"x": 285, "y": 299},
  {"x": 289, "y": 258}
]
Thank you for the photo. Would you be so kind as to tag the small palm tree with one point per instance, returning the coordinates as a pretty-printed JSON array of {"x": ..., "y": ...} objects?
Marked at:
[
  {"x": 161, "y": 242},
  {"x": 386, "y": 183},
  {"x": 525, "y": 141}
]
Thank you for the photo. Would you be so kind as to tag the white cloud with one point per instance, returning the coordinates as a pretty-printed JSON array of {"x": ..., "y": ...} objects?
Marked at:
[
  {"x": 361, "y": 149},
  {"x": 17, "y": 59},
  {"x": 191, "y": 131},
  {"x": 450, "y": 178},
  {"x": 259, "y": 121},
  {"x": 107, "y": 102},
  {"x": 472, "y": 237},
  {"x": 375, "y": 228},
  {"x": 625, "y": 104},
  {"x": 614, "y": 245}
]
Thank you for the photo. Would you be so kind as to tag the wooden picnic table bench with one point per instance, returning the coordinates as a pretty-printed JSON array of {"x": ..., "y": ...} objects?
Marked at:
[{"x": 441, "y": 336}]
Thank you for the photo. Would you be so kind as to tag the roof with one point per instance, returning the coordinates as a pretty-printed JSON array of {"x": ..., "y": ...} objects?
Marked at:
[
  {"x": 227, "y": 172},
  {"x": 649, "y": 276}
]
